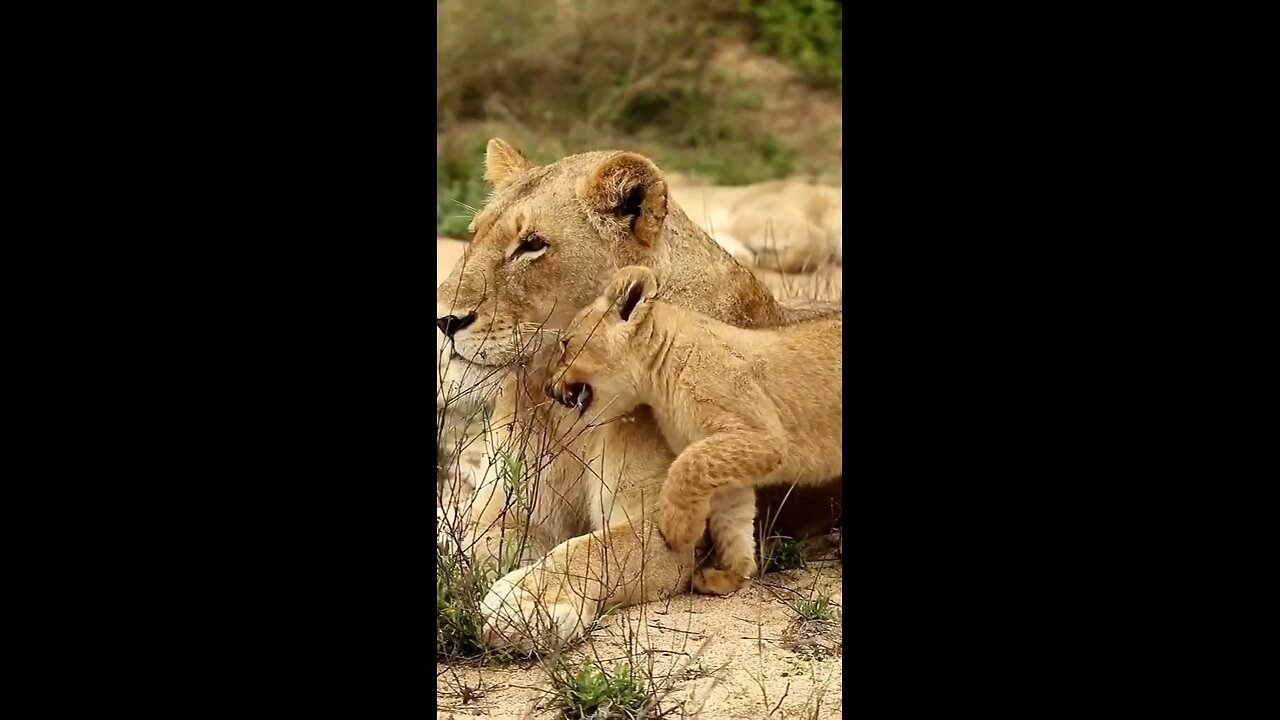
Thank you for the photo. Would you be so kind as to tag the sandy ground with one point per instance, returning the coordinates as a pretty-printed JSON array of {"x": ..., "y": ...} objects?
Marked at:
[{"x": 739, "y": 656}]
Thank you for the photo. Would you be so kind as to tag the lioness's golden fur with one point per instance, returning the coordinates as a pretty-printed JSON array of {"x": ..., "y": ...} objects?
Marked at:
[
  {"x": 741, "y": 407},
  {"x": 544, "y": 246}
]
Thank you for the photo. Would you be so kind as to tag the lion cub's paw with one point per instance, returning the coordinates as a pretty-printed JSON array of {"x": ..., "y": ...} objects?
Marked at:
[
  {"x": 681, "y": 524},
  {"x": 516, "y": 617},
  {"x": 714, "y": 581}
]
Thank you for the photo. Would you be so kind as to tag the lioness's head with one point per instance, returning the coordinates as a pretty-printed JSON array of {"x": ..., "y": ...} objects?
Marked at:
[
  {"x": 599, "y": 360},
  {"x": 544, "y": 245}
]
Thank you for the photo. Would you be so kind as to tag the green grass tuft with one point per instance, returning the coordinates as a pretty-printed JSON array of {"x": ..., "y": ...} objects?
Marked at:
[
  {"x": 817, "y": 608},
  {"x": 785, "y": 554},
  {"x": 588, "y": 691}
]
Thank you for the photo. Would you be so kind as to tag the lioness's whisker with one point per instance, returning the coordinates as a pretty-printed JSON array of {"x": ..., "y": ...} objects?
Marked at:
[
  {"x": 473, "y": 210},
  {"x": 532, "y": 327}
]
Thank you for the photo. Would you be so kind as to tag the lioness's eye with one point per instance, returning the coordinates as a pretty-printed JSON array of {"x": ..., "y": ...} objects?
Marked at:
[{"x": 532, "y": 243}]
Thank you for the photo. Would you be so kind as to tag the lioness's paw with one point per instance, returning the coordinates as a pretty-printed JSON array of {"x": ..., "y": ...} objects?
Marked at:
[
  {"x": 681, "y": 524},
  {"x": 714, "y": 581},
  {"x": 516, "y": 617}
]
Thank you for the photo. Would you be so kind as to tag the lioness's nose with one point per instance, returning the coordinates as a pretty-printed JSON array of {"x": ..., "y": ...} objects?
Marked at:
[{"x": 450, "y": 324}]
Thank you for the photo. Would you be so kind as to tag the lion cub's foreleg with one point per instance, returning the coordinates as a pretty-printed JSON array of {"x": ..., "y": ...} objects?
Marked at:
[
  {"x": 724, "y": 460},
  {"x": 731, "y": 522}
]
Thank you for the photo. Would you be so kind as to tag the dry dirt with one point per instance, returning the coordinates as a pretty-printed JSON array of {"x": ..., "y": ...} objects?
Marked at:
[{"x": 740, "y": 656}]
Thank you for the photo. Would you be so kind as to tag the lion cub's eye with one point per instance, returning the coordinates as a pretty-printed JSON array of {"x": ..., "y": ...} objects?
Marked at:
[{"x": 531, "y": 243}]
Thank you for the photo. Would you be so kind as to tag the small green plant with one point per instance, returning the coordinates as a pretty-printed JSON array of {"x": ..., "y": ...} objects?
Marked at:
[
  {"x": 785, "y": 554},
  {"x": 461, "y": 584},
  {"x": 588, "y": 691},
  {"x": 516, "y": 480},
  {"x": 817, "y": 608},
  {"x": 462, "y": 581}
]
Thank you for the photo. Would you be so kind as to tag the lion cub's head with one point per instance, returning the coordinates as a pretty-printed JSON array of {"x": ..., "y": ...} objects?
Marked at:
[{"x": 602, "y": 350}]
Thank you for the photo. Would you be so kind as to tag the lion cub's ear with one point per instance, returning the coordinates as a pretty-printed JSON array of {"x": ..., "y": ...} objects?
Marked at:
[
  {"x": 630, "y": 291},
  {"x": 629, "y": 188},
  {"x": 502, "y": 161}
]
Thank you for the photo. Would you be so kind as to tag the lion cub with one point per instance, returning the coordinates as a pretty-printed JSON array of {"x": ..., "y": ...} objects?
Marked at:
[{"x": 740, "y": 407}]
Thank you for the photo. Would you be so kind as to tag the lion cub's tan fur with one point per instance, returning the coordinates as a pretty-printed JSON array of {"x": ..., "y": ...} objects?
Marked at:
[{"x": 741, "y": 407}]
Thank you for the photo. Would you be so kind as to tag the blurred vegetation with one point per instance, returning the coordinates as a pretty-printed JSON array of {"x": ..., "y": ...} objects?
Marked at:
[
  {"x": 561, "y": 76},
  {"x": 805, "y": 32}
]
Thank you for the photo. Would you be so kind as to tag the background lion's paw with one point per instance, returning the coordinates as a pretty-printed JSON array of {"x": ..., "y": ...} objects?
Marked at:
[{"x": 517, "y": 617}]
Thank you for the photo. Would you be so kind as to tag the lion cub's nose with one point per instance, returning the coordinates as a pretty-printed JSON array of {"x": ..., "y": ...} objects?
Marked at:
[{"x": 450, "y": 324}]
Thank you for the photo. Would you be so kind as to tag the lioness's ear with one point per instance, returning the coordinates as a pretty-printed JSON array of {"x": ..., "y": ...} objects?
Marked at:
[
  {"x": 629, "y": 189},
  {"x": 630, "y": 287},
  {"x": 501, "y": 161}
]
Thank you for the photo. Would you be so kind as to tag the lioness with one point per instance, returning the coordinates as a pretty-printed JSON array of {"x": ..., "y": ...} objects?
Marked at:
[
  {"x": 741, "y": 408},
  {"x": 543, "y": 247}
]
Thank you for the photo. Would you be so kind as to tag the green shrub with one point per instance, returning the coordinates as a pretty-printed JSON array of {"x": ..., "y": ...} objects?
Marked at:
[
  {"x": 460, "y": 586},
  {"x": 553, "y": 65},
  {"x": 807, "y": 33},
  {"x": 588, "y": 75}
]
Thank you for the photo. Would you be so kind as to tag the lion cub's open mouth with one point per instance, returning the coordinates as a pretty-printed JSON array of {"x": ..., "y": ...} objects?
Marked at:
[{"x": 576, "y": 395}]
